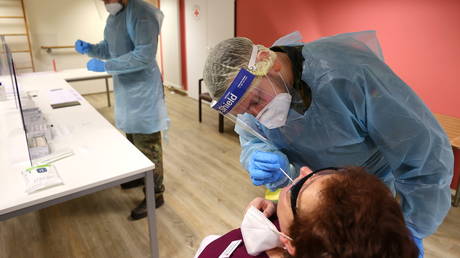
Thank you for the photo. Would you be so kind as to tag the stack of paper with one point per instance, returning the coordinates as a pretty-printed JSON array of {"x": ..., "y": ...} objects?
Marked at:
[{"x": 63, "y": 98}]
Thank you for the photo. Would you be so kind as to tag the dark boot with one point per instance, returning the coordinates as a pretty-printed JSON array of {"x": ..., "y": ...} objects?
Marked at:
[
  {"x": 141, "y": 210},
  {"x": 132, "y": 184}
]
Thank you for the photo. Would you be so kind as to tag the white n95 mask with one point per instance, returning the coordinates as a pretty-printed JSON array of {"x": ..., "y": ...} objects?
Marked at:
[
  {"x": 113, "y": 8},
  {"x": 259, "y": 233},
  {"x": 275, "y": 113}
]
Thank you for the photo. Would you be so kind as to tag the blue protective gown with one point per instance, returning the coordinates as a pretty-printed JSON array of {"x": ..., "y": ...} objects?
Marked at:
[
  {"x": 130, "y": 46},
  {"x": 362, "y": 114}
]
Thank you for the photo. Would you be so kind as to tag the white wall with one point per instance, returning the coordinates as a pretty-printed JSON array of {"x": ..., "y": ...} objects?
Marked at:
[
  {"x": 215, "y": 23},
  {"x": 170, "y": 37},
  {"x": 60, "y": 23},
  {"x": 8, "y": 26}
]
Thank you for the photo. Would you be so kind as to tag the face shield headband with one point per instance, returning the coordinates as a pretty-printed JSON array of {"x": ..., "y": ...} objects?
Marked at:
[{"x": 238, "y": 87}]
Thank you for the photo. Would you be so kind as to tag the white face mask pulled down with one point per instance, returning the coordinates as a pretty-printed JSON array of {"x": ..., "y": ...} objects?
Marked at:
[
  {"x": 259, "y": 233},
  {"x": 275, "y": 113},
  {"x": 113, "y": 8}
]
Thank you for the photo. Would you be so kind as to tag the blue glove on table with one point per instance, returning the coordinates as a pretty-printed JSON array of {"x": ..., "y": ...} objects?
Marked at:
[
  {"x": 82, "y": 47},
  {"x": 264, "y": 167},
  {"x": 418, "y": 242},
  {"x": 96, "y": 65}
]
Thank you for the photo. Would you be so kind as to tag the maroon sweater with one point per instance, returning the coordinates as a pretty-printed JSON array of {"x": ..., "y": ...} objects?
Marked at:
[{"x": 215, "y": 248}]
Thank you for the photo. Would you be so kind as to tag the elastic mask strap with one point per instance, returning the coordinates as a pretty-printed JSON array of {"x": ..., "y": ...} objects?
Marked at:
[
  {"x": 271, "y": 84},
  {"x": 252, "y": 60},
  {"x": 284, "y": 82}
]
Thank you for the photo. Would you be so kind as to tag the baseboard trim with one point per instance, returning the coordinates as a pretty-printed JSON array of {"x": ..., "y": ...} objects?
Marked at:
[{"x": 176, "y": 90}]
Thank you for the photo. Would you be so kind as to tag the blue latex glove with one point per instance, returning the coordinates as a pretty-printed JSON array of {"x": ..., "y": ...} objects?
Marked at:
[
  {"x": 82, "y": 47},
  {"x": 96, "y": 65},
  {"x": 264, "y": 167},
  {"x": 418, "y": 242}
]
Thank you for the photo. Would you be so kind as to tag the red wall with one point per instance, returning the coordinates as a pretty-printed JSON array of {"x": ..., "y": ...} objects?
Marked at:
[
  {"x": 420, "y": 38},
  {"x": 265, "y": 21}
]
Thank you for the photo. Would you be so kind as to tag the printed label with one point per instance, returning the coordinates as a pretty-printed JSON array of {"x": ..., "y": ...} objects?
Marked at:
[
  {"x": 235, "y": 92},
  {"x": 230, "y": 249}
]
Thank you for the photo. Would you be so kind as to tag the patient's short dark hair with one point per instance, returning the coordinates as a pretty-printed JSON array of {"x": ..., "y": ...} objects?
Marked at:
[{"x": 356, "y": 216}]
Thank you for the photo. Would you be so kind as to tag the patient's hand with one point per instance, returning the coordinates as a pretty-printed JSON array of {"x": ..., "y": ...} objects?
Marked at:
[{"x": 266, "y": 206}]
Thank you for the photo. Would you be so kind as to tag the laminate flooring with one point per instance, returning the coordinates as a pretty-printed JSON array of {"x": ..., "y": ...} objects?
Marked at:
[{"x": 206, "y": 193}]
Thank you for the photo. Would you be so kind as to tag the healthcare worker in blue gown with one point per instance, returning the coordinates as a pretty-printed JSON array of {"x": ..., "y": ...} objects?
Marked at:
[
  {"x": 128, "y": 53},
  {"x": 333, "y": 102}
]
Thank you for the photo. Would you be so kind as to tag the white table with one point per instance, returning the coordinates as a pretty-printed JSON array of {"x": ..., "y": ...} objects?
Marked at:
[
  {"x": 103, "y": 156},
  {"x": 82, "y": 74}
]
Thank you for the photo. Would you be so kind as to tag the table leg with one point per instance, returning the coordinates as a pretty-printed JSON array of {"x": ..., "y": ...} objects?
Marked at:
[
  {"x": 150, "y": 194},
  {"x": 221, "y": 123},
  {"x": 456, "y": 199},
  {"x": 107, "y": 90},
  {"x": 456, "y": 176}
]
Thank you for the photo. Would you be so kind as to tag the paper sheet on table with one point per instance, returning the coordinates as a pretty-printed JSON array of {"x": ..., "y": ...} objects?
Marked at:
[{"x": 63, "y": 97}]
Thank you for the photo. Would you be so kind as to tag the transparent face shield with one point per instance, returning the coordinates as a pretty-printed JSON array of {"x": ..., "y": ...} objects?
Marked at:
[
  {"x": 251, "y": 102},
  {"x": 265, "y": 97}
]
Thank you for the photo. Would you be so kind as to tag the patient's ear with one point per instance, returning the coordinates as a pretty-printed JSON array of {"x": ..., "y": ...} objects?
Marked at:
[{"x": 287, "y": 244}]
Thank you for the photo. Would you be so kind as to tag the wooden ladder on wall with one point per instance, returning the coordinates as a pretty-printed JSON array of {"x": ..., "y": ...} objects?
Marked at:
[{"x": 25, "y": 35}]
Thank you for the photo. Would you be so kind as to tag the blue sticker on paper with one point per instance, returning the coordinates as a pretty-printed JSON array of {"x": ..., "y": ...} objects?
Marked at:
[
  {"x": 41, "y": 170},
  {"x": 235, "y": 92}
]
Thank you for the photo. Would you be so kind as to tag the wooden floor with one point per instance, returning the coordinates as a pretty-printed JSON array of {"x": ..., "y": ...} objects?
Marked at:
[{"x": 206, "y": 193}]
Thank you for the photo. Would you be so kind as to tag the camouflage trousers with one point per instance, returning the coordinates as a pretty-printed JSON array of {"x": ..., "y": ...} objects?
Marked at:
[{"x": 150, "y": 146}]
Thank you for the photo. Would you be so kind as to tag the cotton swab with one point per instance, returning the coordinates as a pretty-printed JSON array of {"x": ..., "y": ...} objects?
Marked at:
[{"x": 284, "y": 172}]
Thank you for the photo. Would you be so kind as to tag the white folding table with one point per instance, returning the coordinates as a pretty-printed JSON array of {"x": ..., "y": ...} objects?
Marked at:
[{"x": 102, "y": 158}]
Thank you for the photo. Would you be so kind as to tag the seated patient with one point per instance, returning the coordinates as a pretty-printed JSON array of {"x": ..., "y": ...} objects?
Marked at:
[{"x": 328, "y": 213}]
